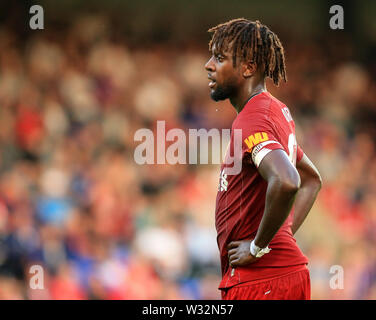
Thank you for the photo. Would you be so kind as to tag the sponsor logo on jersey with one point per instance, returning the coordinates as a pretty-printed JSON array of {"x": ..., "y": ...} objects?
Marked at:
[{"x": 255, "y": 139}]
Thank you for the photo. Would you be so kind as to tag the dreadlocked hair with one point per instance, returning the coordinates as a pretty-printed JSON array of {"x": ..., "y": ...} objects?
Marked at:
[{"x": 251, "y": 41}]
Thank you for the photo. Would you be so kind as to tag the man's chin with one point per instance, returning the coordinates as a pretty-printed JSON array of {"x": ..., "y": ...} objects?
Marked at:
[{"x": 218, "y": 95}]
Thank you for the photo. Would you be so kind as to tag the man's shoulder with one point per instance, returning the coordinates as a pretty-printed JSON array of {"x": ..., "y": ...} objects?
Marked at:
[
  {"x": 260, "y": 104},
  {"x": 272, "y": 109},
  {"x": 256, "y": 110},
  {"x": 275, "y": 103}
]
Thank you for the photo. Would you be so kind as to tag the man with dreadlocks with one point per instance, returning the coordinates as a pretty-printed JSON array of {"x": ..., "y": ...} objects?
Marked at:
[{"x": 254, "y": 218}]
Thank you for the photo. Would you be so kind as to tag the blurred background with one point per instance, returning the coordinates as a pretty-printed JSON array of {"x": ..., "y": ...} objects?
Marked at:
[{"x": 72, "y": 198}]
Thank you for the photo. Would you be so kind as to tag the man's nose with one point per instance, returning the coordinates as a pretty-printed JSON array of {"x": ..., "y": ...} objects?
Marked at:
[{"x": 209, "y": 66}]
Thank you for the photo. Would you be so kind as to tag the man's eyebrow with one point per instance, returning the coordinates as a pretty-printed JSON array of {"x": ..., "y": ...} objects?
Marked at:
[{"x": 218, "y": 53}]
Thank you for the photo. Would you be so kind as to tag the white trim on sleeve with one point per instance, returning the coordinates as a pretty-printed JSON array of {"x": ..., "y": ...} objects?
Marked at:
[{"x": 259, "y": 152}]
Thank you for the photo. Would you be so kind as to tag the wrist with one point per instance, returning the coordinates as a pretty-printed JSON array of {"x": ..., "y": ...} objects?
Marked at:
[
  {"x": 259, "y": 243},
  {"x": 256, "y": 251}
]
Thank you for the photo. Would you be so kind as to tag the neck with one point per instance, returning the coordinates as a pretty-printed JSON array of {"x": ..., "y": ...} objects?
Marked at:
[{"x": 241, "y": 99}]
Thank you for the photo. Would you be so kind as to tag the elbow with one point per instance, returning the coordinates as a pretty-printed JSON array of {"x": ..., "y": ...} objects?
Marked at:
[
  {"x": 290, "y": 185},
  {"x": 318, "y": 182},
  {"x": 315, "y": 181}
]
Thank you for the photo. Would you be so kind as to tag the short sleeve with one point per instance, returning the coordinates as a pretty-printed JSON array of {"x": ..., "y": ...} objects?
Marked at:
[{"x": 259, "y": 138}]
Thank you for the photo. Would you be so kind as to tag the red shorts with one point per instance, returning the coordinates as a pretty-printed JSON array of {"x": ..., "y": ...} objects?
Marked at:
[{"x": 292, "y": 286}]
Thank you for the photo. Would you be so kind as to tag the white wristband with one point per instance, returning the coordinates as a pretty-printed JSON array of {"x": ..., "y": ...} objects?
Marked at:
[{"x": 257, "y": 251}]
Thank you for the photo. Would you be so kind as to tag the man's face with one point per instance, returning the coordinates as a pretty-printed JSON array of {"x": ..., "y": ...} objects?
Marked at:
[{"x": 225, "y": 79}]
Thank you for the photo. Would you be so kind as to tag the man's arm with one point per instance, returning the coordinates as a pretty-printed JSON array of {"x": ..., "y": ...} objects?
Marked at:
[
  {"x": 283, "y": 184},
  {"x": 309, "y": 188}
]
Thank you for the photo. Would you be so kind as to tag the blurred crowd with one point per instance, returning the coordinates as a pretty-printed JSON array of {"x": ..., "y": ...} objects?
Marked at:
[{"x": 73, "y": 200}]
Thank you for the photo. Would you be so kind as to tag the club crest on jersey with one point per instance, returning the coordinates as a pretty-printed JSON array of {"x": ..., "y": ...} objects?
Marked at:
[{"x": 255, "y": 139}]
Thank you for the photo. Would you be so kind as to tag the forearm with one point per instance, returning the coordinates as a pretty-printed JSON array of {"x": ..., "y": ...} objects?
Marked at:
[
  {"x": 279, "y": 200},
  {"x": 304, "y": 200}
]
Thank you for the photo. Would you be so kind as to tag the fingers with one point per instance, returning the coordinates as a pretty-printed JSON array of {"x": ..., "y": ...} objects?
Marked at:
[
  {"x": 233, "y": 257},
  {"x": 231, "y": 252},
  {"x": 233, "y": 244},
  {"x": 234, "y": 263}
]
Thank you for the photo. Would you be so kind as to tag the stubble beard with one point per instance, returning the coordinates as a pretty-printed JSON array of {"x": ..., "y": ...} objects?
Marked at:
[{"x": 221, "y": 93}]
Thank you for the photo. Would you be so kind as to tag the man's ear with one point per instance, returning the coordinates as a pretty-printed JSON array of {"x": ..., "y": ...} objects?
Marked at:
[{"x": 249, "y": 69}]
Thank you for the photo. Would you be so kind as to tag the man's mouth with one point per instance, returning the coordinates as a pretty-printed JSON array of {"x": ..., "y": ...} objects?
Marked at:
[{"x": 212, "y": 82}]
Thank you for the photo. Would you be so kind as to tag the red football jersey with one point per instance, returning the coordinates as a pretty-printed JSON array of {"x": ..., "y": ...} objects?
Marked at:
[{"x": 265, "y": 124}]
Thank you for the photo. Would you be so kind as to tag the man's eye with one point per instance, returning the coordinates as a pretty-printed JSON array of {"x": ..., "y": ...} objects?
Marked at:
[{"x": 219, "y": 58}]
